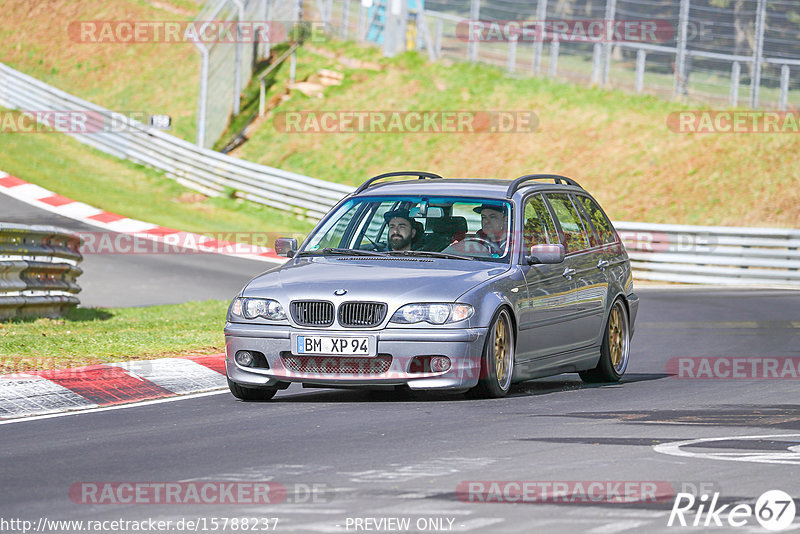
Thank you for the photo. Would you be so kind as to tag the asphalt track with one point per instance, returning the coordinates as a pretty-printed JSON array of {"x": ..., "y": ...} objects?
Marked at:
[
  {"x": 394, "y": 458},
  {"x": 121, "y": 280}
]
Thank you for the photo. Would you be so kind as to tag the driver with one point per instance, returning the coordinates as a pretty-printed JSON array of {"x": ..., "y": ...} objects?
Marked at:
[
  {"x": 402, "y": 233},
  {"x": 494, "y": 224}
]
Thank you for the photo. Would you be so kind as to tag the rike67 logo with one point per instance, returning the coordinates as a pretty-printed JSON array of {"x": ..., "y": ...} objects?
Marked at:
[{"x": 774, "y": 510}]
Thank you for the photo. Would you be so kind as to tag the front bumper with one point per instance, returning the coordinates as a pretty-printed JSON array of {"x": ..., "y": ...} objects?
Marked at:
[{"x": 462, "y": 346}]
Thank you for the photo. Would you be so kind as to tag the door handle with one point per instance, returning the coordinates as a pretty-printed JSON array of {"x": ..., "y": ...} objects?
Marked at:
[
  {"x": 602, "y": 264},
  {"x": 568, "y": 273}
]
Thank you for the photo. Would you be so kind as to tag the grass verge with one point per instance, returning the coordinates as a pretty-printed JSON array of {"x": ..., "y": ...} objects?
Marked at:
[
  {"x": 154, "y": 78},
  {"x": 98, "y": 335}
]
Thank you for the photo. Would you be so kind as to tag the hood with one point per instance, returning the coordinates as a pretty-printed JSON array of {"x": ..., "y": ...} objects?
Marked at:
[{"x": 373, "y": 278}]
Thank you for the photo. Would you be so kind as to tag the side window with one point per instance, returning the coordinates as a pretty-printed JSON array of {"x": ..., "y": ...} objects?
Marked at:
[
  {"x": 599, "y": 220},
  {"x": 575, "y": 235},
  {"x": 594, "y": 241},
  {"x": 538, "y": 227}
]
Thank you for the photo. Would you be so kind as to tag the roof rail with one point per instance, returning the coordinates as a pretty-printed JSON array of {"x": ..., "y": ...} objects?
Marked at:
[
  {"x": 421, "y": 174},
  {"x": 557, "y": 178}
]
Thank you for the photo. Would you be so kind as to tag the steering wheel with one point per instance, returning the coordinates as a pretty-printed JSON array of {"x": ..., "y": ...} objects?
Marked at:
[
  {"x": 490, "y": 247},
  {"x": 375, "y": 246}
]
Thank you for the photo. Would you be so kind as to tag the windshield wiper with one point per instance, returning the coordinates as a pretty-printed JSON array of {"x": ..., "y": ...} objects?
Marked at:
[
  {"x": 343, "y": 252},
  {"x": 429, "y": 254}
]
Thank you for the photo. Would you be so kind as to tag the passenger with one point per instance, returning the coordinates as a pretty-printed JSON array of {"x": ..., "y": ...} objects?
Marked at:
[{"x": 402, "y": 232}]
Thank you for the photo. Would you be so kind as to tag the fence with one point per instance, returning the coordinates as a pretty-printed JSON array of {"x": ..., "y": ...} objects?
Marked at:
[
  {"x": 713, "y": 254},
  {"x": 226, "y": 68},
  {"x": 38, "y": 270},
  {"x": 198, "y": 168},
  {"x": 702, "y": 52}
]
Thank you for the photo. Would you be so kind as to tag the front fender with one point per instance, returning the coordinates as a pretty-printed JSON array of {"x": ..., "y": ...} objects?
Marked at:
[{"x": 508, "y": 290}]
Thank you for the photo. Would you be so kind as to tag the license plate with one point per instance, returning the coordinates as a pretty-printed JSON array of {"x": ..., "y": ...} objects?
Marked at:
[{"x": 345, "y": 346}]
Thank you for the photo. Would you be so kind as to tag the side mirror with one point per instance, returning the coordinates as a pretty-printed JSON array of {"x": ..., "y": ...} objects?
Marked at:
[
  {"x": 545, "y": 254},
  {"x": 286, "y": 247}
]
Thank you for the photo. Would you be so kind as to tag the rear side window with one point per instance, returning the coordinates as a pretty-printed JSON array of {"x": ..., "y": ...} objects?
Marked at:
[
  {"x": 599, "y": 220},
  {"x": 538, "y": 227},
  {"x": 576, "y": 236}
]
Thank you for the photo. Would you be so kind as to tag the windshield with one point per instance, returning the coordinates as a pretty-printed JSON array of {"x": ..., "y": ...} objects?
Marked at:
[{"x": 447, "y": 227}]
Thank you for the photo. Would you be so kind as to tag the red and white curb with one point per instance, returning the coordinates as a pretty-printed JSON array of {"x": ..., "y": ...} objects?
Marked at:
[
  {"x": 95, "y": 386},
  {"x": 47, "y": 200}
]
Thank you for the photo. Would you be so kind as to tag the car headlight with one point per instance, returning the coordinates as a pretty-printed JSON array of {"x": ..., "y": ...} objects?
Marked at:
[
  {"x": 433, "y": 313},
  {"x": 252, "y": 308}
]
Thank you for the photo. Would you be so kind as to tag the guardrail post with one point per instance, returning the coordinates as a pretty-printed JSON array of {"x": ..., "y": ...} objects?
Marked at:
[
  {"x": 237, "y": 71},
  {"x": 736, "y": 69},
  {"x": 362, "y": 18},
  {"x": 538, "y": 44},
  {"x": 391, "y": 12},
  {"x": 322, "y": 14},
  {"x": 202, "y": 98},
  {"x": 474, "y": 15},
  {"x": 611, "y": 13},
  {"x": 552, "y": 69},
  {"x": 680, "y": 86},
  {"x": 641, "y": 57},
  {"x": 437, "y": 39},
  {"x": 297, "y": 11},
  {"x": 266, "y": 45},
  {"x": 511, "y": 63},
  {"x": 755, "y": 80},
  {"x": 345, "y": 18},
  {"x": 262, "y": 97},
  {"x": 597, "y": 53},
  {"x": 784, "y": 98},
  {"x": 422, "y": 25}
]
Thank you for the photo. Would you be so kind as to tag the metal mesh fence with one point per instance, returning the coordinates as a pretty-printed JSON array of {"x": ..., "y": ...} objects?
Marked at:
[
  {"x": 226, "y": 67},
  {"x": 725, "y": 51}
]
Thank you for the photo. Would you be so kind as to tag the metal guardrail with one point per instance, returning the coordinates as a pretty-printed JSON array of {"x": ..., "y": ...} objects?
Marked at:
[
  {"x": 198, "y": 168},
  {"x": 724, "y": 255},
  {"x": 38, "y": 270}
]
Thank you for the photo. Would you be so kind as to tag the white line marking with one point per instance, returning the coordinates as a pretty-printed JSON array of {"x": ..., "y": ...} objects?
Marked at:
[
  {"x": 617, "y": 526},
  {"x": 790, "y": 457},
  {"x": 117, "y": 407}
]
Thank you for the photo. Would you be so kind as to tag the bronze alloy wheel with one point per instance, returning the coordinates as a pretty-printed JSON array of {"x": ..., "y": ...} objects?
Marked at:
[
  {"x": 618, "y": 338},
  {"x": 503, "y": 350},
  {"x": 615, "y": 348},
  {"x": 497, "y": 361}
]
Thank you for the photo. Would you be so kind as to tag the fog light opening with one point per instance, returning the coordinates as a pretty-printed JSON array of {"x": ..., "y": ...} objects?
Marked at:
[
  {"x": 244, "y": 358},
  {"x": 440, "y": 364}
]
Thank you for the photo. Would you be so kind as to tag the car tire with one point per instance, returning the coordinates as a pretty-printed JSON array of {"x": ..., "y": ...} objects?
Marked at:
[
  {"x": 251, "y": 394},
  {"x": 615, "y": 349},
  {"x": 497, "y": 361}
]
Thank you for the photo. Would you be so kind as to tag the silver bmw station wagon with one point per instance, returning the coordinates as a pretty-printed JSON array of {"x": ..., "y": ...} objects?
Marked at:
[{"x": 426, "y": 283}]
